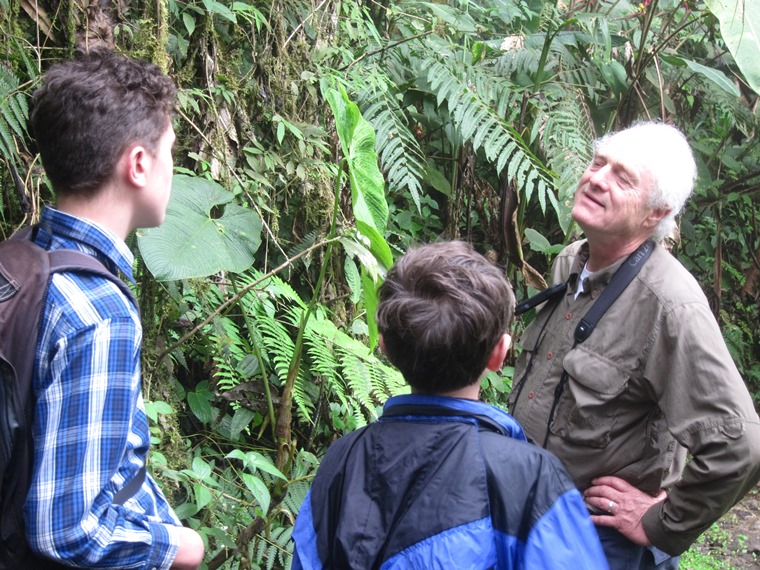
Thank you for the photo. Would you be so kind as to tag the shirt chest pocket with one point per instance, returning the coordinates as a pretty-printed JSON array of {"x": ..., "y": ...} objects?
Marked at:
[
  {"x": 589, "y": 408},
  {"x": 533, "y": 337}
]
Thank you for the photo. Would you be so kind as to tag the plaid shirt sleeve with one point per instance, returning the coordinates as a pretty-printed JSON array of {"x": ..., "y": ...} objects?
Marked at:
[{"x": 91, "y": 434}]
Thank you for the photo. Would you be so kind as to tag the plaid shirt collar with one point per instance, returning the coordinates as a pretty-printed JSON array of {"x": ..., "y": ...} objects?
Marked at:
[{"x": 96, "y": 239}]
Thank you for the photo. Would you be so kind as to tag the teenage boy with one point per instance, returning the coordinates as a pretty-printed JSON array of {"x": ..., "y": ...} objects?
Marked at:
[
  {"x": 103, "y": 129},
  {"x": 443, "y": 480}
]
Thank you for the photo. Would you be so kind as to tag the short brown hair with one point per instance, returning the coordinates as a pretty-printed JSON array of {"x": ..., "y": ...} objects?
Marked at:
[
  {"x": 89, "y": 110},
  {"x": 443, "y": 308}
]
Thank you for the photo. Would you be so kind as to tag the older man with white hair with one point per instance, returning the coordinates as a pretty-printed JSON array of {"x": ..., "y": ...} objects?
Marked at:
[{"x": 648, "y": 413}]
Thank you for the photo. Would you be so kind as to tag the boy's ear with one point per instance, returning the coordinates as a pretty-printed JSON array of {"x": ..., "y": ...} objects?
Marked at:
[
  {"x": 134, "y": 165},
  {"x": 381, "y": 341},
  {"x": 499, "y": 353}
]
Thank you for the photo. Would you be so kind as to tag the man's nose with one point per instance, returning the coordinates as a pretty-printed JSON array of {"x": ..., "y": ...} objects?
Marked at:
[{"x": 600, "y": 177}]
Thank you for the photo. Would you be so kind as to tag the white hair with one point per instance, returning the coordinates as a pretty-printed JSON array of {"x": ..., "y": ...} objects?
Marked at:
[{"x": 663, "y": 151}]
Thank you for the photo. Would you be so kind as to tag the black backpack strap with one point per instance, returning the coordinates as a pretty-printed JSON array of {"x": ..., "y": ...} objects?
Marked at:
[
  {"x": 74, "y": 260},
  {"x": 620, "y": 280},
  {"x": 130, "y": 488}
]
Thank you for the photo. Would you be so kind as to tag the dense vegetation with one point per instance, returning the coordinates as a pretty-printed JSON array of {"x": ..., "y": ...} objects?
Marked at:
[{"x": 318, "y": 140}]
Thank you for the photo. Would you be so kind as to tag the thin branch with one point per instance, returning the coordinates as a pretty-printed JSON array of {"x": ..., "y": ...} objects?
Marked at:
[
  {"x": 382, "y": 49},
  {"x": 662, "y": 88},
  {"x": 238, "y": 296},
  {"x": 299, "y": 26}
]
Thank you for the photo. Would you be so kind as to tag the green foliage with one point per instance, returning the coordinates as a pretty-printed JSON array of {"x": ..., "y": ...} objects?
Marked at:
[
  {"x": 367, "y": 185},
  {"x": 713, "y": 549},
  {"x": 401, "y": 157},
  {"x": 13, "y": 115},
  {"x": 336, "y": 367},
  {"x": 483, "y": 126},
  {"x": 567, "y": 143}
]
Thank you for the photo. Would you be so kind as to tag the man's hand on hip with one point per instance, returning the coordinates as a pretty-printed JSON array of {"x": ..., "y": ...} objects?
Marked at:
[{"x": 623, "y": 504}]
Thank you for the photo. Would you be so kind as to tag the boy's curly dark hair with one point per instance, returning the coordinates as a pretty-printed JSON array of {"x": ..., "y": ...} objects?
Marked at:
[
  {"x": 443, "y": 308},
  {"x": 89, "y": 110}
]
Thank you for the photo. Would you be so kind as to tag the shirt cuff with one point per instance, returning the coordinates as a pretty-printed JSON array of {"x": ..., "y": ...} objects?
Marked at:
[
  {"x": 674, "y": 543},
  {"x": 165, "y": 546}
]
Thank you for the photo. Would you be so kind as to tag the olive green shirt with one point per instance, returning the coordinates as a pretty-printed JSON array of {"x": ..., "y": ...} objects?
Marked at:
[{"x": 653, "y": 380}]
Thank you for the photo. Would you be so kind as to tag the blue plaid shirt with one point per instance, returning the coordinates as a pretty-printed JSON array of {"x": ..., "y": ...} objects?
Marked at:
[{"x": 90, "y": 429}]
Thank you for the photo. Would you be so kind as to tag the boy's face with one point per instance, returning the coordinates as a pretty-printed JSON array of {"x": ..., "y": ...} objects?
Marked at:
[{"x": 159, "y": 182}]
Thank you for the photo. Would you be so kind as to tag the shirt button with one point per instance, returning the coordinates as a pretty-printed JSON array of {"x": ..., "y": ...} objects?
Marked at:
[
  {"x": 549, "y": 355},
  {"x": 531, "y": 395},
  {"x": 594, "y": 293},
  {"x": 568, "y": 316}
]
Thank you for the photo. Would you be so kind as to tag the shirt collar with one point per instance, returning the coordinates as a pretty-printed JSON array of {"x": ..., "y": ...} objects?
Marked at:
[
  {"x": 598, "y": 278},
  {"x": 72, "y": 232}
]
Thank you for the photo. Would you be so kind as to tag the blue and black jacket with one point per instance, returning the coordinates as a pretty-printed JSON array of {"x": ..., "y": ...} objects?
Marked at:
[{"x": 443, "y": 483}]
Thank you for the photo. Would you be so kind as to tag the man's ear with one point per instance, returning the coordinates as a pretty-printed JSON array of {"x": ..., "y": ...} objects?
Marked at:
[
  {"x": 382, "y": 345},
  {"x": 134, "y": 165},
  {"x": 656, "y": 216},
  {"x": 499, "y": 353}
]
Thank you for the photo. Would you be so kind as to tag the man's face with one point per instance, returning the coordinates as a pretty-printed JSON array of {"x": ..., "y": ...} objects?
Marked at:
[
  {"x": 611, "y": 198},
  {"x": 159, "y": 181}
]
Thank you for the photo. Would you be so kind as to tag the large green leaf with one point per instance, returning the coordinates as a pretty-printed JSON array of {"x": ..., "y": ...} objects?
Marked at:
[
  {"x": 371, "y": 302},
  {"x": 740, "y": 28},
  {"x": 716, "y": 76},
  {"x": 204, "y": 233},
  {"x": 357, "y": 139}
]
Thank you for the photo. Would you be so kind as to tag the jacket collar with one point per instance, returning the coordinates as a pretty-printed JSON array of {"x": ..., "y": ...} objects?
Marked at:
[{"x": 428, "y": 404}]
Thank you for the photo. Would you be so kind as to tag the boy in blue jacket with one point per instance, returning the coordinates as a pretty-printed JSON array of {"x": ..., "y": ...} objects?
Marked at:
[{"x": 442, "y": 480}]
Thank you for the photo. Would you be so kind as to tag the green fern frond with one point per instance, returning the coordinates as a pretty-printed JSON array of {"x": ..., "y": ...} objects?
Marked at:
[
  {"x": 518, "y": 62},
  {"x": 277, "y": 342},
  {"x": 305, "y": 396},
  {"x": 13, "y": 114},
  {"x": 565, "y": 131},
  {"x": 275, "y": 547},
  {"x": 272, "y": 287},
  {"x": 295, "y": 496},
  {"x": 387, "y": 381},
  {"x": 7, "y": 146},
  {"x": 358, "y": 378},
  {"x": 308, "y": 240},
  {"x": 229, "y": 349},
  {"x": 401, "y": 158},
  {"x": 472, "y": 114},
  {"x": 323, "y": 364}
]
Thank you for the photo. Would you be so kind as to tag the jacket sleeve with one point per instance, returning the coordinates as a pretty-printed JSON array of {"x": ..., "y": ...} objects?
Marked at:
[
  {"x": 710, "y": 412},
  {"x": 564, "y": 533},
  {"x": 305, "y": 555}
]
